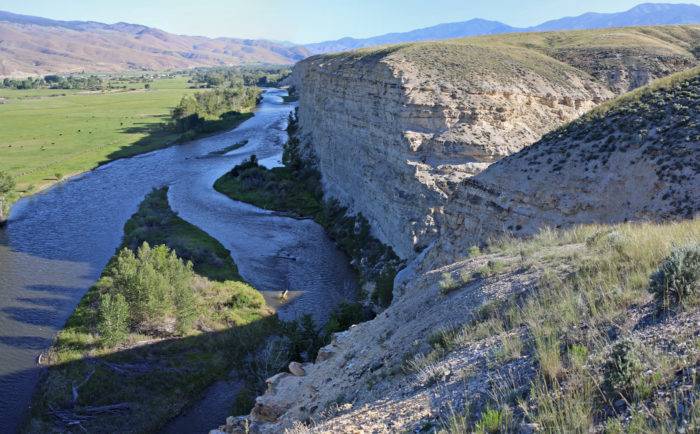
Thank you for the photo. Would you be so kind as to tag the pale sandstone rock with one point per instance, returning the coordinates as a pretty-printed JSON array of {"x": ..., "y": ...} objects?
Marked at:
[
  {"x": 296, "y": 369},
  {"x": 274, "y": 380},
  {"x": 324, "y": 354},
  {"x": 395, "y": 130}
]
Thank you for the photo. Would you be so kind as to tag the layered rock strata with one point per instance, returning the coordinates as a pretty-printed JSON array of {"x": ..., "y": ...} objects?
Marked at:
[
  {"x": 395, "y": 129},
  {"x": 637, "y": 160}
]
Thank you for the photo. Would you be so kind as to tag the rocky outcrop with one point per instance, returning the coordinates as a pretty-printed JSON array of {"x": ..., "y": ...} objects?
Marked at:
[
  {"x": 393, "y": 374},
  {"x": 395, "y": 129},
  {"x": 638, "y": 159}
]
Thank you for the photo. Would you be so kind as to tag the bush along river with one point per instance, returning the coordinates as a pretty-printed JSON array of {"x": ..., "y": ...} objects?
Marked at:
[{"x": 57, "y": 242}]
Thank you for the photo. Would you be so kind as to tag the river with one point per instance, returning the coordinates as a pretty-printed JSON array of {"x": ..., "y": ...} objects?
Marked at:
[{"x": 57, "y": 242}]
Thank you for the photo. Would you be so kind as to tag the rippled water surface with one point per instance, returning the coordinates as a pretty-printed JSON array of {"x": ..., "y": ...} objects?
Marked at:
[{"x": 57, "y": 242}]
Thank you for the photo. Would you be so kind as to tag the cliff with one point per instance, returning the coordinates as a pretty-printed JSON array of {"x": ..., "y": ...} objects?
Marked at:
[
  {"x": 565, "y": 331},
  {"x": 395, "y": 129},
  {"x": 634, "y": 159}
]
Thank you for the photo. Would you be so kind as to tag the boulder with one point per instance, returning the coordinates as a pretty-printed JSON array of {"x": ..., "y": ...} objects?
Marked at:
[{"x": 296, "y": 369}]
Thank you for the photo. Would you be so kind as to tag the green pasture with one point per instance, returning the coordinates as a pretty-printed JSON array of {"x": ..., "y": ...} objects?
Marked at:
[{"x": 48, "y": 134}]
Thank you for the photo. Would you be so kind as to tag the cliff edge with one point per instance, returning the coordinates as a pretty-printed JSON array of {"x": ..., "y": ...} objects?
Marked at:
[
  {"x": 569, "y": 330},
  {"x": 396, "y": 129}
]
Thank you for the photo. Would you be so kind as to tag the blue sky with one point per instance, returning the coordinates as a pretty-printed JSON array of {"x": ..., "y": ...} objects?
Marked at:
[{"x": 306, "y": 21}]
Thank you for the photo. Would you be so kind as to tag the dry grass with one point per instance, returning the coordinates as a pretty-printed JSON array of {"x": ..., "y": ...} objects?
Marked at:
[
  {"x": 591, "y": 278},
  {"x": 508, "y": 58}
]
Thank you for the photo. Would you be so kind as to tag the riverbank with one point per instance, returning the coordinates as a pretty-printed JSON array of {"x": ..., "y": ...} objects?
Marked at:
[
  {"x": 154, "y": 372},
  {"x": 296, "y": 189},
  {"x": 47, "y": 268},
  {"x": 78, "y": 132}
]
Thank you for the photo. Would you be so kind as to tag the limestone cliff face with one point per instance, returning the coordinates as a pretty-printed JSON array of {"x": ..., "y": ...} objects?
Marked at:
[
  {"x": 636, "y": 160},
  {"x": 394, "y": 130}
]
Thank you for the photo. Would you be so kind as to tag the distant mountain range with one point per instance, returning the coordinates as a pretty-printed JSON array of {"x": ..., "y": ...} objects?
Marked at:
[
  {"x": 36, "y": 46},
  {"x": 641, "y": 15},
  {"x": 32, "y": 45}
]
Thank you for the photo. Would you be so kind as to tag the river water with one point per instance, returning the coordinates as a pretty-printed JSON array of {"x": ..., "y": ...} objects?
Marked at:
[{"x": 57, "y": 242}]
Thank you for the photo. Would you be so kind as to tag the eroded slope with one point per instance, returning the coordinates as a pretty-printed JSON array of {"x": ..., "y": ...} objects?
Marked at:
[
  {"x": 565, "y": 331},
  {"x": 394, "y": 129},
  {"x": 634, "y": 159}
]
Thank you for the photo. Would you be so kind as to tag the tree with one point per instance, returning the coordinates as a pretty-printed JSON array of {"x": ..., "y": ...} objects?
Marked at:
[
  {"x": 113, "y": 323},
  {"x": 7, "y": 183},
  {"x": 157, "y": 287}
]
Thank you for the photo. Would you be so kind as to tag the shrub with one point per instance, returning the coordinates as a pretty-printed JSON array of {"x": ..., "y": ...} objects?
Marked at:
[
  {"x": 246, "y": 297},
  {"x": 547, "y": 346},
  {"x": 623, "y": 367},
  {"x": 113, "y": 322},
  {"x": 345, "y": 315},
  {"x": 7, "y": 183},
  {"x": 157, "y": 286},
  {"x": 491, "y": 268},
  {"x": 676, "y": 281},
  {"x": 305, "y": 340},
  {"x": 577, "y": 355},
  {"x": 185, "y": 309},
  {"x": 448, "y": 283},
  {"x": 384, "y": 291},
  {"x": 490, "y": 422}
]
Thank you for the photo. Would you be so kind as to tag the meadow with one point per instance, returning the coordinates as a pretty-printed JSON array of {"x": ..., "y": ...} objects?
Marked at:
[{"x": 49, "y": 134}]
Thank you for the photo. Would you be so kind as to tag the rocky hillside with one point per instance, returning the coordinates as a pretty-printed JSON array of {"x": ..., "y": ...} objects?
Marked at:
[
  {"x": 395, "y": 129},
  {"x": 38, "y": 46},
  {"x": 634, "y": 159},
  {"x": 588, "y": 329}
]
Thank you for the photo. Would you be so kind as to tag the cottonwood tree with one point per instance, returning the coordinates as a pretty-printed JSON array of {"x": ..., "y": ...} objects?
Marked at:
[{"x": 7, "y": 185}]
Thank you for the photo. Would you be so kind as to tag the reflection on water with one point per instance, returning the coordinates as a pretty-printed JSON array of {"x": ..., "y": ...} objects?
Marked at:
[{"x": 57, "y": 242}]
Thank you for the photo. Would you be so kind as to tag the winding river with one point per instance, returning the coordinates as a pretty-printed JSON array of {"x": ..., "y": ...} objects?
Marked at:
[{"x": 57, "y": 242}]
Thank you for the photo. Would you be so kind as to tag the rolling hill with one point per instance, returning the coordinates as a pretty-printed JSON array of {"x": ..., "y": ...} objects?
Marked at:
[
  {"x": 34, "y": 46},
  {"x": 642, "y": 15}
]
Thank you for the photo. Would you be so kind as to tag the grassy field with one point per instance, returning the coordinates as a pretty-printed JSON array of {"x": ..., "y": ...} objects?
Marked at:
[{"x": 48, "y": 134}]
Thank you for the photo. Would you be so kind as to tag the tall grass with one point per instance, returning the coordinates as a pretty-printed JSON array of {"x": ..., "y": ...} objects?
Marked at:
[{"x": 589, "y": 279}]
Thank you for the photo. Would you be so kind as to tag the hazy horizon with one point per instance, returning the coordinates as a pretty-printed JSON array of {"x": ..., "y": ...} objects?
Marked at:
[{"x": 311, "y": 21}]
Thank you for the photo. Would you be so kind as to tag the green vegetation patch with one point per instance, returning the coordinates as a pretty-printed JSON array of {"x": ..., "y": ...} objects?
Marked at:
[
  {"x": 153, "y": 333},
  {"x": 296, "y": 189},
  {"x": 229, "y": 148},
  {"x": 156, "y": 223},
  {"x": 277, "y": 189}
]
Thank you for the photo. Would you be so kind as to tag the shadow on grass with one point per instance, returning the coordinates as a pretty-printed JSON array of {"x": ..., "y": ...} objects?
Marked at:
[
  {"x": 155, "y": 136},
  {"x": 140, "y": 389},
  {"x": 163, "y": 134}
]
